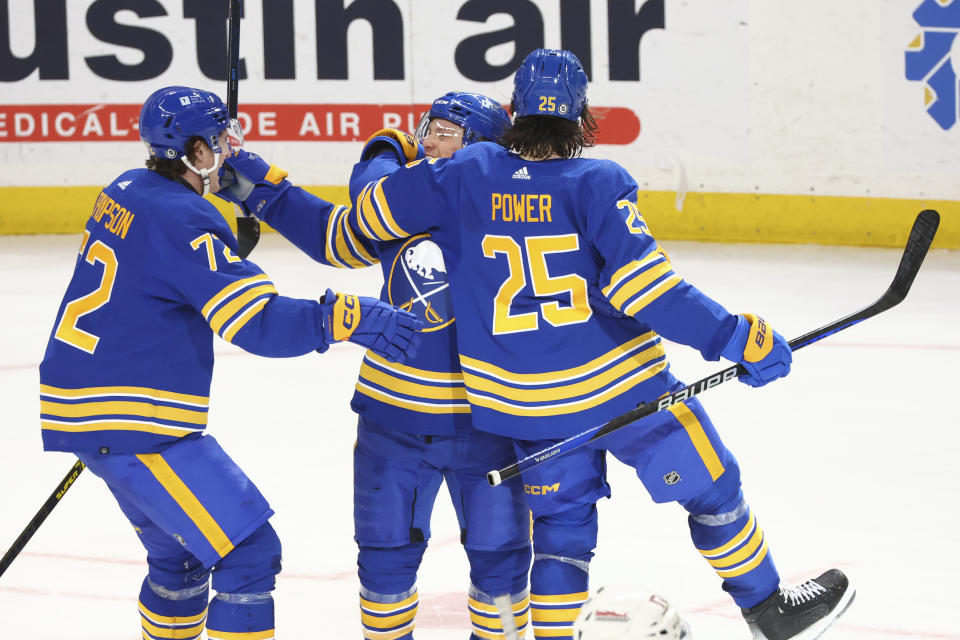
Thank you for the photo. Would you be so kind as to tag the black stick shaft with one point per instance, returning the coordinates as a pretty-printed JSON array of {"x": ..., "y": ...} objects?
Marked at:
[
  {"x": 42, "y": 514},
  {"x": 248, "y": 227},
  {"x": 233, "y": 56},
  {"x": 921, "y": 237}
]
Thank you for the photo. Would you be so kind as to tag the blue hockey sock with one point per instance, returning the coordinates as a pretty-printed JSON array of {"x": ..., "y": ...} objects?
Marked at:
[
  {"x": 169, "y": 613},
  {"x": 388, "y": 615},
  {"x": 563, "y": 546},
  {"x": 235, "y": 615},
  {"x": 485, "y": 614},
  {"x": 244, "y": 580}
]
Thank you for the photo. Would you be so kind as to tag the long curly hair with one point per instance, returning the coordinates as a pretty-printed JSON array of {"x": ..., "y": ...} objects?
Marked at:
[{"x": 542, "y": 136}]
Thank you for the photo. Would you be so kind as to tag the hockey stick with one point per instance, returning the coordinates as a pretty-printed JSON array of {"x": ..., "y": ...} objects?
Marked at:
[
  {"x": 248, "y": 227},
  {"x": 42, "y": 514},
  {"x": 505, "y": 610},
  {"x": 921, "y": 236}
]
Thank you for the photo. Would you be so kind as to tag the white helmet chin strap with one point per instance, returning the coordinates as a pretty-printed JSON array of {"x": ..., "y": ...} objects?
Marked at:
[{"x": 203, "y": 173}]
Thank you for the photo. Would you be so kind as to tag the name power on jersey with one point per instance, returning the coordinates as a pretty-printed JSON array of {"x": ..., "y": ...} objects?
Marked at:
[{"x": 521, "y": 207}]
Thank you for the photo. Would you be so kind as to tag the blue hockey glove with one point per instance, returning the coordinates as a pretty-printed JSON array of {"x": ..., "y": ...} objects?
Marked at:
[
  {"x": 382, "y": 328},
  {"x": 249, "y": 181},
  {"x": 402, "y": 144},
  {"x": 763, "y": 352}
]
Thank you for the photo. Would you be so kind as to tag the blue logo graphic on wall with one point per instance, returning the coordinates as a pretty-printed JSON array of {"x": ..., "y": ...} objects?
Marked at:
[
  {"x": 934, "y": 56},
  {"x": 418, "y": 283}
]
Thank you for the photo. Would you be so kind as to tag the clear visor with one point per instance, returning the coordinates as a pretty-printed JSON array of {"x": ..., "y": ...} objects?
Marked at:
[{"x": 440, "y": 130}]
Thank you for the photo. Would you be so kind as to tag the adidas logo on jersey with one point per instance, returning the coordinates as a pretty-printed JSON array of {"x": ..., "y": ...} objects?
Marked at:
[
  {"x": 123, "y": 185},
  {"x": 521, "y": 174}
]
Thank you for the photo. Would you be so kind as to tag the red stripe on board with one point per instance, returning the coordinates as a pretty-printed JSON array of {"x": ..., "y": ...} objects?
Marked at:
[{"x": 286, "y": 122}]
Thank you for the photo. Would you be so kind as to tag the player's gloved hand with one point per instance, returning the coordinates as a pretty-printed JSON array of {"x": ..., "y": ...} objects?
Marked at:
[
  {"x": 382, "y": 328},
  {"x": 601, "y": 305},
  {"x": 763, "y": 352},
  {"x": 402, "y": 144},
  {"x": 248, "y": 180}
]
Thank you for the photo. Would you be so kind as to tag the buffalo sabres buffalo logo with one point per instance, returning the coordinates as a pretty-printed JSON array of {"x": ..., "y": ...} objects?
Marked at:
[{"x": 418, "y": 283}]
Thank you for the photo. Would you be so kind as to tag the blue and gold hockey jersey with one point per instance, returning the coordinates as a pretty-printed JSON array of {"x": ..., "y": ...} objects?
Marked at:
[
  {"x": 525, "y": 244},
  {"x": 426, "y": 394},
  {"x": 130, "y": 358}
]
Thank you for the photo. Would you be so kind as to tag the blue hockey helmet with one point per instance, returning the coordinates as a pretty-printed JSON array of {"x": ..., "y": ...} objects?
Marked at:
[
  {"x": 482, "y": 118},
  {"x": 172, "y": 115},
  {"x": 550, "y": 82}
]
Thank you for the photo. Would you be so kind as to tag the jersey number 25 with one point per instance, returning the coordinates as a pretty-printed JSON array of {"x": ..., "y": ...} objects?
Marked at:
[{"x": 534, "y": 255}]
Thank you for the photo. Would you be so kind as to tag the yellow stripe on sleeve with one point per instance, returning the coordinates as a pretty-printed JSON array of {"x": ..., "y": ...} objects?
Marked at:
[
  {"x": 372, "y": 227},
  {"x": 652, "y": 295},
  {"x": 228, "y": 310},
  {"x": 638, "y": 283},
  {"x": 332, "y": 224},
  {"x": 627, "y": 269},
  {"x": 347, "y": 240},
  {"x": 228, "y": 291},
  {"x": 387, "y": 215},
  {"x": 244, "y": 318},
  {"x": 699, "y": 438},
  {"x": 191, "y": 506}
]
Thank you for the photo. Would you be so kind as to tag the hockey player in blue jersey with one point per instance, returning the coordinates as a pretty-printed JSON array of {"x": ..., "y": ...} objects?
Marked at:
[
  {"x": 538, "y": 233},
  {"x": 125, "y": 380},
  {"x": 414, "y": 430}
]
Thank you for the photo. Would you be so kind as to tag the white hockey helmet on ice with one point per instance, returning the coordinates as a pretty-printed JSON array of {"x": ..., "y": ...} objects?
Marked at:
[{"x": 629, "y": 613}]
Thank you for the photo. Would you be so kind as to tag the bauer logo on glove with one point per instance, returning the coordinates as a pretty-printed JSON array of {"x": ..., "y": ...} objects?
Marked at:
[
  {"x": 755, "y": 351},
  {"x": 762, "y": 352}
]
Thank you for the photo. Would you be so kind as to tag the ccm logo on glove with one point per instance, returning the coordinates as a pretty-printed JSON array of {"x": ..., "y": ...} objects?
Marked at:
[{"x": 346, "y": 314}]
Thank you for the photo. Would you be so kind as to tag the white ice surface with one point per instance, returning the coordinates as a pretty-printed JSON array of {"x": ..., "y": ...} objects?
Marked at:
[{"x": 851, "y": 462}]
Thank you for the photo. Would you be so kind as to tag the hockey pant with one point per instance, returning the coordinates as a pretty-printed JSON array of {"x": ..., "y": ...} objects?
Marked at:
[
  {"x": 679, "y": 457},
  {"x": 397, "y": 477},
  {"x": 197, "y": 514}
]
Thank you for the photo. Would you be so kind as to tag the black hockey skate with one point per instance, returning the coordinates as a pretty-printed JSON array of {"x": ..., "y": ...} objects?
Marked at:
[{"x": 803, "y": 612}]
